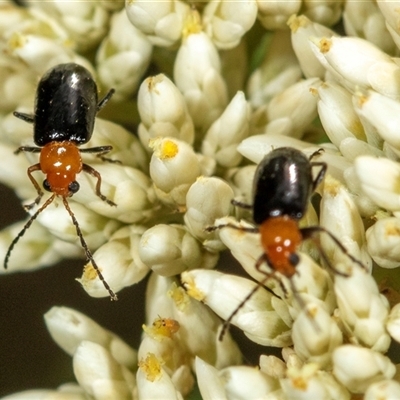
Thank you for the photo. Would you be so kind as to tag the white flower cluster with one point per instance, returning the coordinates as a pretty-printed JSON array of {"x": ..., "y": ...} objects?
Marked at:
[{"x": 197, "y": 126}]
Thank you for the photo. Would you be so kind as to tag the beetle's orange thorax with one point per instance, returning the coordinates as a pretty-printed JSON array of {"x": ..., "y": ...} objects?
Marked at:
[{"x": 61, "y": 162}]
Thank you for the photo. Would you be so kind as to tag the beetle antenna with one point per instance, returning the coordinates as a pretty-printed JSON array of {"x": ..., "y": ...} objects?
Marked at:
[
  {"x": 88, "y": 253},
  {"x": 25, "y": 228}
]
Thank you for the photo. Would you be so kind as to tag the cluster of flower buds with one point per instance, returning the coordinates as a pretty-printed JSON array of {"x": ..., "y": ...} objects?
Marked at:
[{"x": 202, "y": 93}]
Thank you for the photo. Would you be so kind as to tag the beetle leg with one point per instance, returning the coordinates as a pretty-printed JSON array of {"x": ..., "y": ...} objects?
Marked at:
[
  {"x": 105, "y": 99},
  {"x": 101, "y": 150},
  {"x": 239, "y": 228},
  {"x": 28, "y": 149},
  {"x": 33, "y": 168},
  {"x": 241, "y": 204},
  {"x": 320, "y": 175},
  {"x": 25, "y": 117},
  {"x": 88, "y": 169}
]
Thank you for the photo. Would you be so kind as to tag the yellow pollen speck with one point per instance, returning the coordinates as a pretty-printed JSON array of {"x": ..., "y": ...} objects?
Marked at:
[
  {"x": 16, "y": 41},
  {"x": 391, "y": 230},
  {"x": 169, "y": 149},
  {"x": 151, "y": 366},
  {"x": 331, "y": 186},
  {"x": 89, "y": 273},
  {"x": 325, "y": 45},
  {"x": 179, "y": 296},
  {"x": 191, "y": 288},
  {"x": 192, "y": 23},
  {"x": 299, "y": 383},
  {"x": 153, "y": 81},
  {"x": 295, "y": 22},
  {"x": 361, "y": 100},
  {"x": 162, "y": 328},
  {"x": 313, "y": 91}
]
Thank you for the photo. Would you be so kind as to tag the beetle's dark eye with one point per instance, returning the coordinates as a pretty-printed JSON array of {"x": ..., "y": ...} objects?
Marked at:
[
  {"x": 294, "y": 259},
  {"x": 46, "y": 185},
  {"x": 73, "y": 187}
]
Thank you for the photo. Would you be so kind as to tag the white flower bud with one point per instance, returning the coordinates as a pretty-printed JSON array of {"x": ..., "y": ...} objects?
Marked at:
[
  {"x": 274, "y": 14},
  {"x": 227, "y": 132},
  {"x": 385, "y": 389},
  {"x": 382, "y": 112},
  {"x": 241, "y": 180},
  {"x": 223, "y": 293},
  {"x": 383, "y": 240},
  {"x": 340, "y": 216},
  {"x": 127, "y": 148},
  {"x": 99, "y": 373},
  {"x": 358, "y": 63},
  {"x": 197, "y": 73},
  {"x": 163, "y": 111},
  {"x": 129, "y": 188},
  {"x": 162, "y": 22},
  {"x": 37, "y": 249},
  {"x": 335, "y": 109},
  {"x": 309, "y": 382},
  {"x": 40, "y": 53},
  {"x": 95, "y": 228},
  {"x": 227, "y": 22},
  {"x": 272, "y": 366},
  {"x": 315, "y": 335},
  {"x": 393, "y": 323},
  {"x": 278, "y": 71},
  {"x": 210, "y": 383},
  {"x": 245, "y": 247},
  {"x": 18, "y": 179},
  {"x": 119, "y": 262},
  {"x": 326, "y": 12},
  {"x": 174, "y": 166},
  {"x": 169, "y": 249},
  {"x": 357, "y": 367},
  {"x": 69, "y": 328},
  {"x": 297, "y": 103},
  {"x": 199, "y": 327},
  {"x": 85, "y": 22},
  {"x": 247, "y": 383},
  {"x": 153, "y": 382},
  {"x": 18, "y": 87},
  {"x": 366, "y": 21},
  {"x": 362, "y": 309},
  {"x": 302, "y": 29},
  {"x": 379, "y": 180},
  {"x": 351, "y": 148},
  {"x": 206, "y": 200},
  {"x": 162, "y": 342},
  {"x": 364, "y": 204},
  {"x": 389, "y": 11},
  {"x": 123, "y": 57}
]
